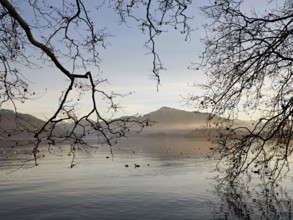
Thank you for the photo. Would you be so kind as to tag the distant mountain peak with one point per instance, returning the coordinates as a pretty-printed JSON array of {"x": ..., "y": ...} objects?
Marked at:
[
  {"x": 171, "y": 117},
  {"x": 167, "y": 115},
  {"x": 166, "y": 108}
]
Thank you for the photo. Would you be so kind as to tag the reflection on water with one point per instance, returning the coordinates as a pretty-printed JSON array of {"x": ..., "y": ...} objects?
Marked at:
[
  {"x": 248, "y": 200},
  {"x": 172, "y": 182}
]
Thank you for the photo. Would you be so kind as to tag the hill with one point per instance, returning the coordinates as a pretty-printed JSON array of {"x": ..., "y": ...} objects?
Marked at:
[
  {"x": 20, "y": 126},
  {"x": 176, "y": 118},
  {"x": 169, "y": 122},
  {"x": 10, "y": 121},
  {"x": 180, "y": 123},
  {"x": 168, "y": 115}
]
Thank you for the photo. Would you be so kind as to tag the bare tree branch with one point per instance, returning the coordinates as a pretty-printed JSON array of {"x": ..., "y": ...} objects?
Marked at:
[
  {"x": 248, "y": 62},
  {"x": 46, "y": 35}
]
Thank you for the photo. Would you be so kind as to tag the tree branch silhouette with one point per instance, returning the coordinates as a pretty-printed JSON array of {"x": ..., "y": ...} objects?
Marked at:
[
  {"x": 248, "y": 63},
  {"x": 48, "y": 35}
]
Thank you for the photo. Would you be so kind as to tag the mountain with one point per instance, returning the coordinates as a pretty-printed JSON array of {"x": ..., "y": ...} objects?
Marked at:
[
  {"x": 19, "y": 125},
  {"x": 180, "y": 123},
  {"x": 9, "y": 121},
  {"x": 171, "y": 117},
  {"x": 166, "y": 116},
  {"x": 169, "y": 121}
]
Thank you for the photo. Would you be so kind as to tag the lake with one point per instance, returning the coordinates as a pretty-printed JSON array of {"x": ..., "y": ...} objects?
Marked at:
[{"x": 173, "y": 181}]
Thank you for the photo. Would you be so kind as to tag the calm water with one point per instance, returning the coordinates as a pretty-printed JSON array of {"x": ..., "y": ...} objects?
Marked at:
[{"x": 171, "y": 183}]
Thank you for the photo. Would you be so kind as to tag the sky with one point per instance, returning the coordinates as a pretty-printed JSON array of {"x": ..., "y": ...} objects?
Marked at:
[{"x": 128, "y": 67}]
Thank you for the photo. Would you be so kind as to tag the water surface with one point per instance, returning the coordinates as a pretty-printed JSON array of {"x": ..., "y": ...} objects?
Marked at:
[
  {"x": 169, "y": 184},
  {"x": 172, "y": 182}
]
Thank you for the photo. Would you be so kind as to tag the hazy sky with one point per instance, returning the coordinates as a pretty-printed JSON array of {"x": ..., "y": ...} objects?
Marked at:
[{"x": 127, "y": 66}]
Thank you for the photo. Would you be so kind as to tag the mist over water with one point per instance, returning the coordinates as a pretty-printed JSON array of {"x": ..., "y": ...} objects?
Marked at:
[{"x": 173, "y": 181}]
